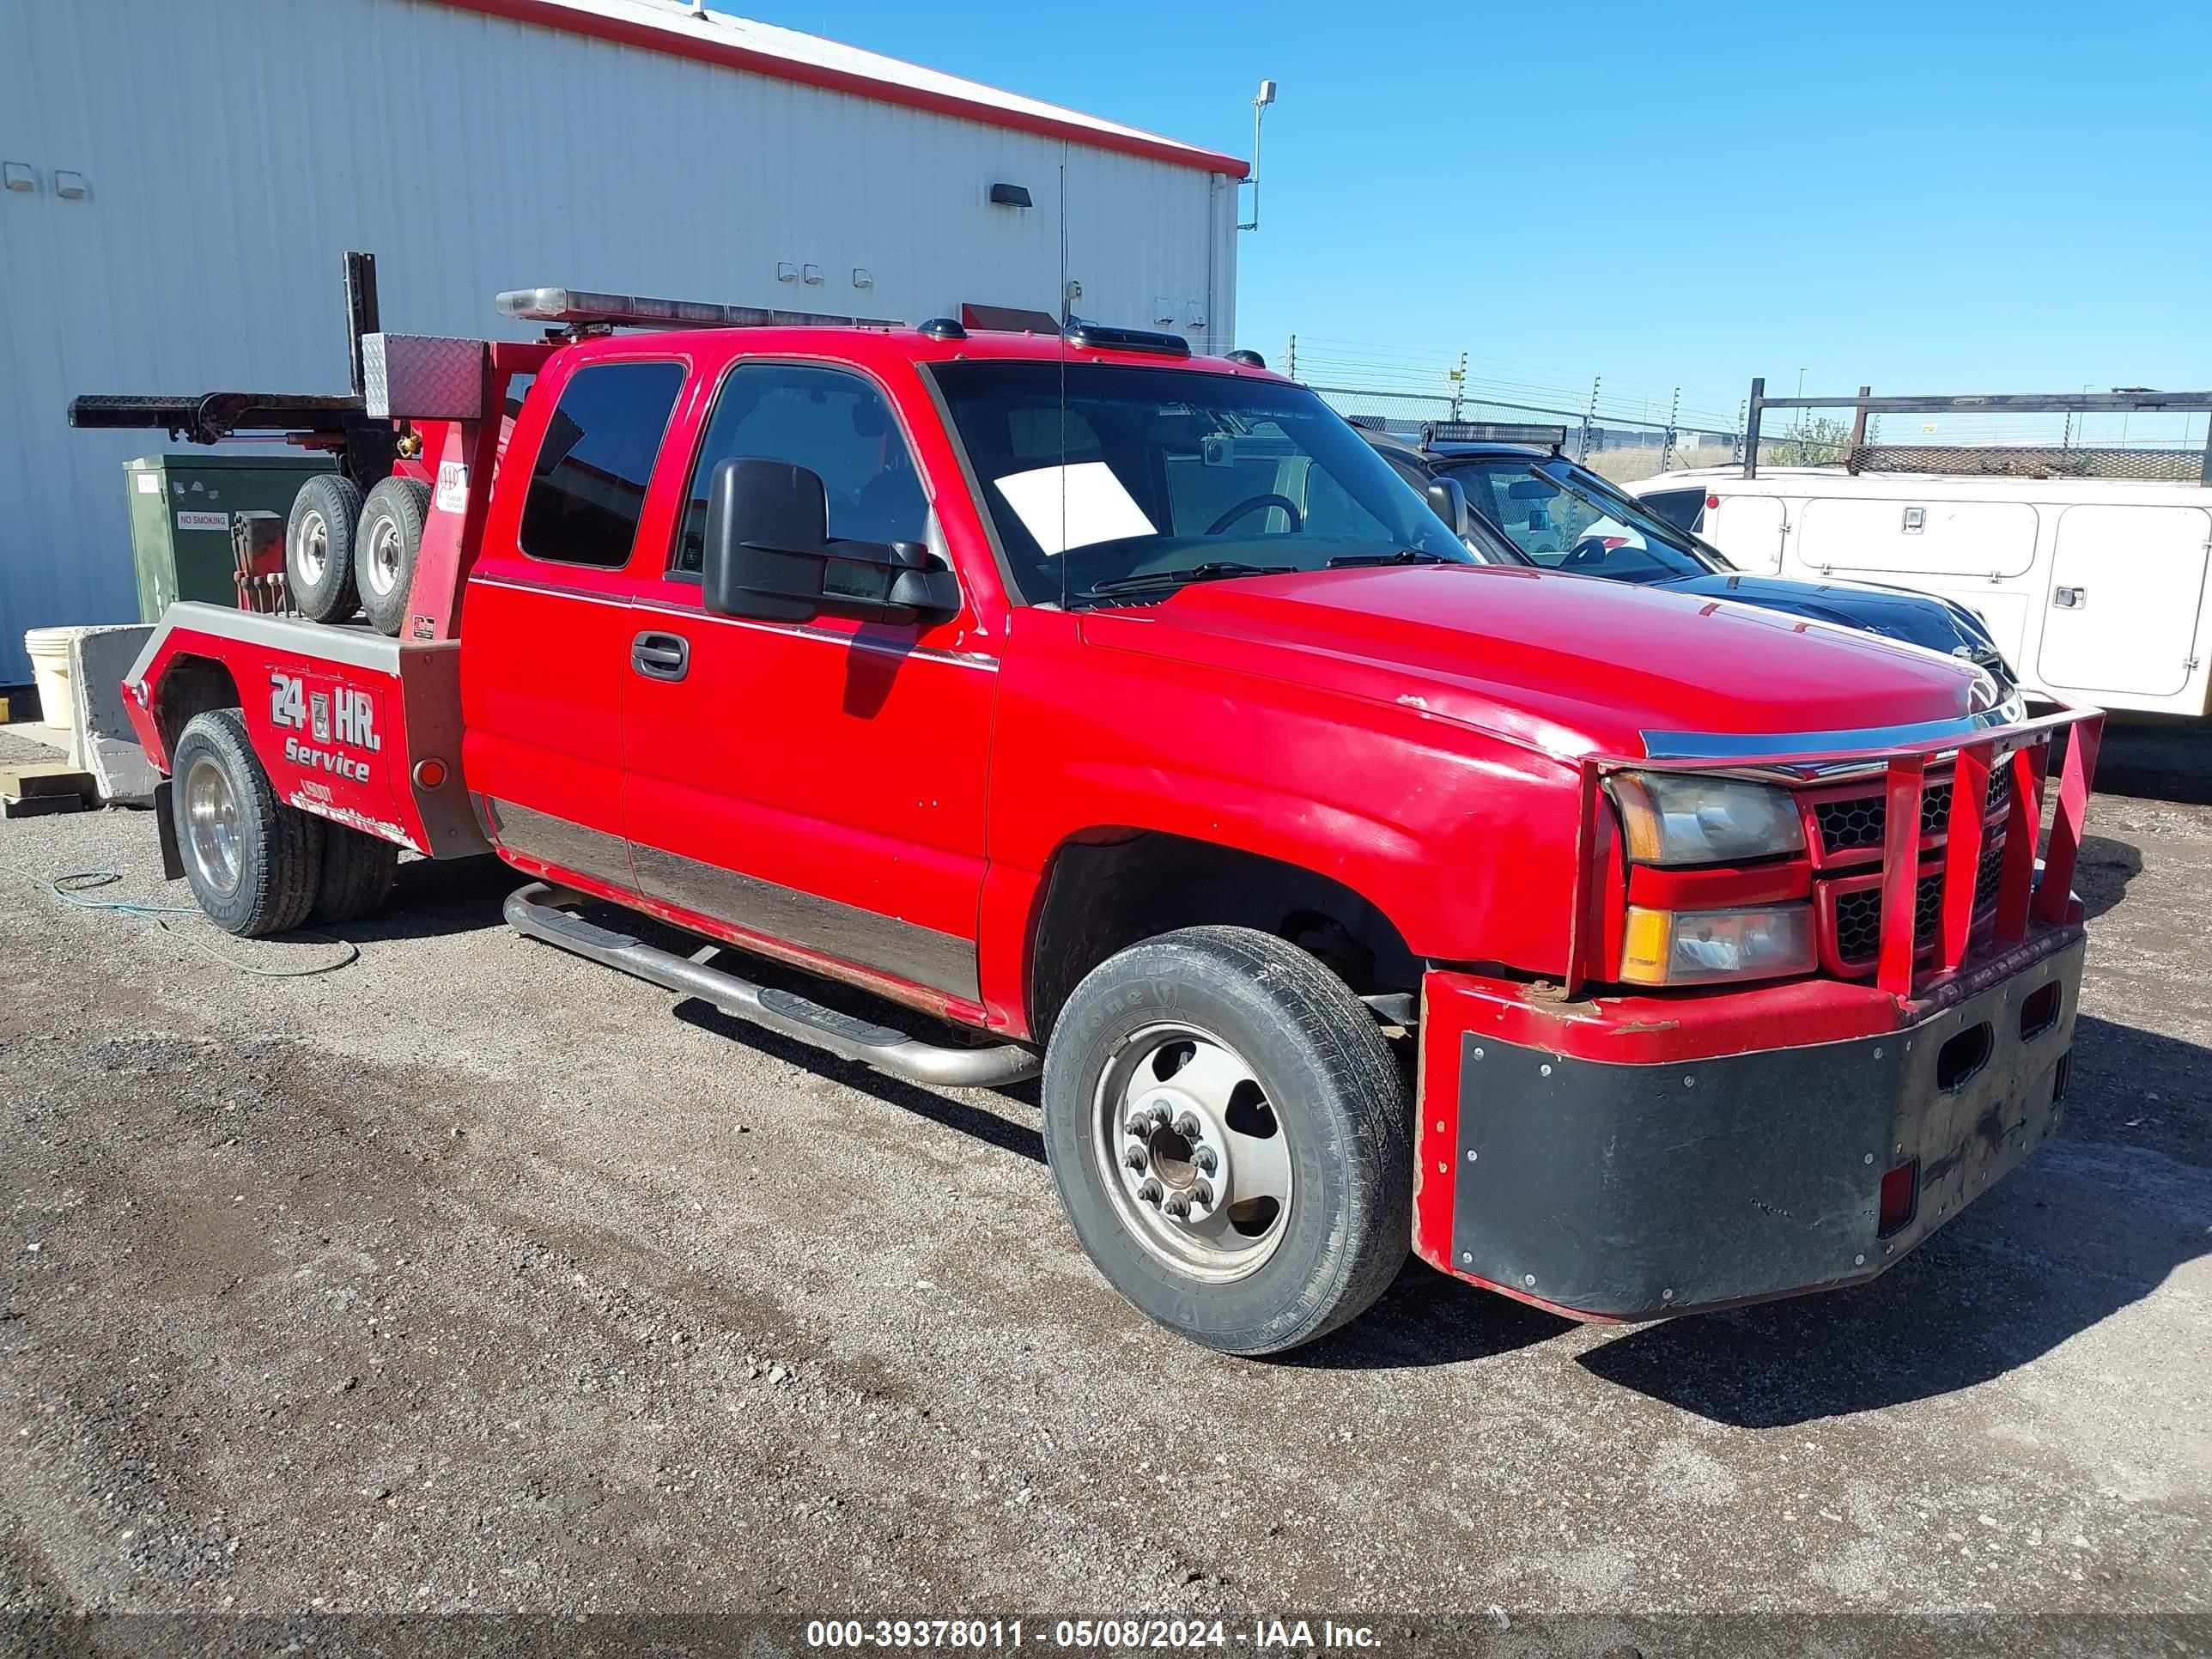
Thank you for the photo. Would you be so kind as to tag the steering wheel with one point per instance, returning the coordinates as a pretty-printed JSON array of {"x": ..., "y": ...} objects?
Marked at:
[
  {"x": 1589, "y": 551},
  {"x": 1271, "y": 499}
]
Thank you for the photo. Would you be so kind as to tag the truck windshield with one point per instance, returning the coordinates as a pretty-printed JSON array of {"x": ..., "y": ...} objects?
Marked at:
[
  {"x": 1566, "y": 518},
  {"x": 1109, "y": 485}
]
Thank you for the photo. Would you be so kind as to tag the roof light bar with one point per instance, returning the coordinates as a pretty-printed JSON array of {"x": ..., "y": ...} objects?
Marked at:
[
  {"x": 1493, "y": 432},
  {"x": 574, "y": 306}
]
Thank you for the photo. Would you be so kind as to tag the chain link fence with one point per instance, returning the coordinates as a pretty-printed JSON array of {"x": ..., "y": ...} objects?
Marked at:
[
  {"x": 1625, "y": 450},
  {"x": 1627, "y": 431},
  {"x": 1622, "y": 450}
]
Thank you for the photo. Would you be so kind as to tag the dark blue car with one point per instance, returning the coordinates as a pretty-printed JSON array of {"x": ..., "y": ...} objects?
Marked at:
[{"x": 1533, "y": 505}]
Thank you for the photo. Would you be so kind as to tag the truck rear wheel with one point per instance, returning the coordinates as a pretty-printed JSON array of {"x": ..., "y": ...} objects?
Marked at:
[
  {"x": 1230, "y": 1137},
  {"x": 253, "y": 862},
  {"x": 358, "y": 873},
  {"x": 389, "y": 542},
  {"x": 319, "y": 547}
]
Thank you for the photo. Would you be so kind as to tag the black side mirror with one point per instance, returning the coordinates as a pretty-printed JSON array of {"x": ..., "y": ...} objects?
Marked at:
[
  {"x": 1449, "y": 501},
  {"x": 768, "y": 523},
  {"x": 767, "y": 555}
]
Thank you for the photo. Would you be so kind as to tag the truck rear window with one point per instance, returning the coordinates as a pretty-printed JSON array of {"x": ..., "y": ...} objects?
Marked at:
[{"x": 587, "y": 485}]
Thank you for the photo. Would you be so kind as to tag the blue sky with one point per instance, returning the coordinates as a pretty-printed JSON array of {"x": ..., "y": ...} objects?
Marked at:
[{"x": 1936, "y": 198}]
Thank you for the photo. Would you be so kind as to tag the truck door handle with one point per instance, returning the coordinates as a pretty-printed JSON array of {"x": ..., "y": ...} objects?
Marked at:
[{"x": 660, "y": 656}]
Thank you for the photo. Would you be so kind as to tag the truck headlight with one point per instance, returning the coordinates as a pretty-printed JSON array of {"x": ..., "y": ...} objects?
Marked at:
[
  {"x": 1702, "y": 947},
  {"x": 1689, "y": 818}
]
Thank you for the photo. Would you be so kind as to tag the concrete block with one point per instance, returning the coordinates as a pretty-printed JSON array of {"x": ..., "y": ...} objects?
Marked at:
[{"x": 103, "y": 743}]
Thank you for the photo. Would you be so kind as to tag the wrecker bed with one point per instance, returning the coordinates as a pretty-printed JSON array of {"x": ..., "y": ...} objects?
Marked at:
[{"x": 352, "y": 726}]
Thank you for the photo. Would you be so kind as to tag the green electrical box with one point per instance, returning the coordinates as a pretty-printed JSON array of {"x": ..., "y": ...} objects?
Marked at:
[{"x": 181, "y": 508}]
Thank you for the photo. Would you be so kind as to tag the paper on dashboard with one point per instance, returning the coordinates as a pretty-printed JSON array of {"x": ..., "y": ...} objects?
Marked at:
[{"x": 1075, "y": 505}]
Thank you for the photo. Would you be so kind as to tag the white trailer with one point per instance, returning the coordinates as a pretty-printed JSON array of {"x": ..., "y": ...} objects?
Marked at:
[
  {"x": 2097, "y": 589},
  {"x": 177, "y": 181}
]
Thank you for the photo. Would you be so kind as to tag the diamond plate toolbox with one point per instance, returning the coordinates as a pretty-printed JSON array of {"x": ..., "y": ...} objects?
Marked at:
[{"x": 422, "y": 377}]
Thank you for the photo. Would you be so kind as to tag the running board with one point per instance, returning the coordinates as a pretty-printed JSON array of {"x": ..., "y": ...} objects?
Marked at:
[{"x": 532, "y": 910}]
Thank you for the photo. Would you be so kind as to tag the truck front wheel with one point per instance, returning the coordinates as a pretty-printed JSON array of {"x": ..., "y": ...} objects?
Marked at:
[
  {"x": 253, "y": 861},
  {"x": 1231, "y": 1137}
]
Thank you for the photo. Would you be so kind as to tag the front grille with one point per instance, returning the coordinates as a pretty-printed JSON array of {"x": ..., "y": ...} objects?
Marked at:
[
  {"x": 1859, "y": 925},
  {"x": 1861, "y": 820},
  {"x": 1847, "y": 825},
  {"x": 1989, "y": 876},
  {"x": 1859, "y": 913}
]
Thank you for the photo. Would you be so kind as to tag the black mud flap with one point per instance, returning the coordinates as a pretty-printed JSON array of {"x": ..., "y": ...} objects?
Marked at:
[
  {"x": 1635, "y": 1191},
  {"x": 165, "y": 824}
]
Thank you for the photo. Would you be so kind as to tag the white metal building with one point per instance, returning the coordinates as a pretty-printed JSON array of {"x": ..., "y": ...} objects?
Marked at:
[{"x": 180, "y": 181}]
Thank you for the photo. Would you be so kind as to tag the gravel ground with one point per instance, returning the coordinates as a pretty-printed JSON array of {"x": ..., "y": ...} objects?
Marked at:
[{"x": 471, "y": 1275}]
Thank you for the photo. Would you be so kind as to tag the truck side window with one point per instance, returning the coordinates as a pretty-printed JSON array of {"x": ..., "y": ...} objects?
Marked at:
[
  {"x": 831, "y": 422},
  {"x": 587, "y": 485}
]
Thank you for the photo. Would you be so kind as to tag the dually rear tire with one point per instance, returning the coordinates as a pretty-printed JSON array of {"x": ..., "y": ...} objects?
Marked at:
[{"x": 253, "y": 861}]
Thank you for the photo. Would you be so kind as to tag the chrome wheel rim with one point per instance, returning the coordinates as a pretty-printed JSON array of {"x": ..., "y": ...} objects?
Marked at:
[
  {"x": 211, "y": 819},
  {"x": 380, "y": 566},
  {"x": 313, "y": 548},
  {"x": 1192, "y": 1152}
]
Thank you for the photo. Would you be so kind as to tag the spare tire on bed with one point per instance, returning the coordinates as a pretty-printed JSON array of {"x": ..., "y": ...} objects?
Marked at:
[
  {"x": 386, "y": 548},
  {"x": 319, "y": 547}
]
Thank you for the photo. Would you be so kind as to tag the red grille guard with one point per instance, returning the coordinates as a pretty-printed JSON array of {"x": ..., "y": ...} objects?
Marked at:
[{"x": 2026, "y": 896}]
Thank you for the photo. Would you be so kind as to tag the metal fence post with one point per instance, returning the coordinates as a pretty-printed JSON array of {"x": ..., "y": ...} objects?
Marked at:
[{"x": 1858, "y": 433}]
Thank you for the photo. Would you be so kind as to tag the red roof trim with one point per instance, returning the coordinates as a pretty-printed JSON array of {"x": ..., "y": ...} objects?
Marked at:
[{"x": 623, "y": 32}]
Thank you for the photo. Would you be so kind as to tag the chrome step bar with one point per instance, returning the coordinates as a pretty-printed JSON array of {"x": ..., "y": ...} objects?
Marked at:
[{"x": 535, "y": 910}]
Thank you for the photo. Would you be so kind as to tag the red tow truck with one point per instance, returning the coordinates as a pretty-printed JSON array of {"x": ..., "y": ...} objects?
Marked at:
[{"x": 1628, "y": 954}]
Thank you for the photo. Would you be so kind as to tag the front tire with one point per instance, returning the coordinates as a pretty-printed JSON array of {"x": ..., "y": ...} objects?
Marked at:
[
  {"x": 1232, "y": 1138},
  {"x": 253, "y": 861}
]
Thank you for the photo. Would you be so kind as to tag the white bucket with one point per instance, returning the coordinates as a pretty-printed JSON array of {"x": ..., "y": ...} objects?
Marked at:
[{"x": 49, "y": 649}]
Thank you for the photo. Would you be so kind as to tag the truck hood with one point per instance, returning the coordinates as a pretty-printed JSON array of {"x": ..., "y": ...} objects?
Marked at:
[
  {"x": 1570, "y": 665},
  {"x": 1895, "y": 613}
]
